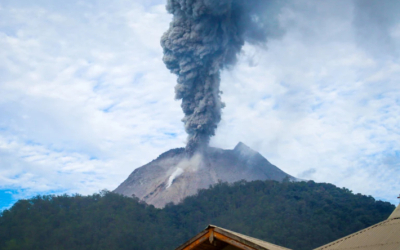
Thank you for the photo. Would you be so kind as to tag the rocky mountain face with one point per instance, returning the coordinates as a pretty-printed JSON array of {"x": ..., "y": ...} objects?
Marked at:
[{"x": 172, "y": 176}]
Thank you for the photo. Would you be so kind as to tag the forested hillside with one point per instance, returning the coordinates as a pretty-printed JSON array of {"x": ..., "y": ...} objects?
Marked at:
[{"x": 301, "y": 215}]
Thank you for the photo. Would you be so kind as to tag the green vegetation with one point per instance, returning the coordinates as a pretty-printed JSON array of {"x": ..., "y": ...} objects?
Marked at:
[{"x": 301, "y": 215}]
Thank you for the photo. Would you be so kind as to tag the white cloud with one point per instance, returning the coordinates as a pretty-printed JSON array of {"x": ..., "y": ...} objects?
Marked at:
[
  {"x": 78, "y": 100},
  {"x": 85, "y": 97},
  {"x": 317, "y": 101}
]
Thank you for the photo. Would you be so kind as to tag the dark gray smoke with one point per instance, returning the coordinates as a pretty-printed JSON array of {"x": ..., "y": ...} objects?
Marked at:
[{"x": 204, "y": 37}]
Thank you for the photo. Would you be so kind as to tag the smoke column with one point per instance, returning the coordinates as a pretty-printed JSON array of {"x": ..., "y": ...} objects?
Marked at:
[{"x": 204, "y": 37}]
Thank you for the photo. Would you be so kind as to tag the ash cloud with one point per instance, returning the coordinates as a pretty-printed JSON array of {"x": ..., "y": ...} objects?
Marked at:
[
  {"x": 374, "y": 23},
  {"x": 204, "y": 37}
]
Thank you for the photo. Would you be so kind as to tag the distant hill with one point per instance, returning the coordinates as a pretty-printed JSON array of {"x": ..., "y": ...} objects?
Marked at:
[
  {"x": 297, "y": 215},
  {"x": 172, "y": 176}
]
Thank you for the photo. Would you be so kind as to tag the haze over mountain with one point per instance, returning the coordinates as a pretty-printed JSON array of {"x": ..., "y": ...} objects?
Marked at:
[{"x": 172, "y": 176}]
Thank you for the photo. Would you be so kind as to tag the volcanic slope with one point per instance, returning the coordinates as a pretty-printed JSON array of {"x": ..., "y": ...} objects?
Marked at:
[{"x": 172, "y": 176}]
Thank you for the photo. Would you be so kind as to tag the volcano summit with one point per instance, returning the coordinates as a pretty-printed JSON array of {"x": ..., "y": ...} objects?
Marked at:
[{"x": 173, "y": 176}]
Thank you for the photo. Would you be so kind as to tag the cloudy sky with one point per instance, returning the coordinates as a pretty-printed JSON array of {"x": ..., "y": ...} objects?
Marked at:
[{"x": 85, "y": 97}]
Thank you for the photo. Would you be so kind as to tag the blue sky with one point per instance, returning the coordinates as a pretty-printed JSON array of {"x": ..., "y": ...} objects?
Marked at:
[
  {"x": 85, "y": 97},
  {"x": 6, "y": 199}
]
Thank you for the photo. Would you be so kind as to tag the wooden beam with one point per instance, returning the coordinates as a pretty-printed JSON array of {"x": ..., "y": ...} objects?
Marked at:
[
  {"x": 197, "y": 242},
  {"x": 211, "y": 235},
  {"x": 232, "y": 242}
]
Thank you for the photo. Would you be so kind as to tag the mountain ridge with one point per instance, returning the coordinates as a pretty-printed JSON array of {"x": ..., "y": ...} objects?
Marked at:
[{"x": 172, "y": 176}]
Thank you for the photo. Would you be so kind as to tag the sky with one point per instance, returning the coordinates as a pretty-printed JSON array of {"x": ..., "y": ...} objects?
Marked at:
[{"x": 85, "y": 97}]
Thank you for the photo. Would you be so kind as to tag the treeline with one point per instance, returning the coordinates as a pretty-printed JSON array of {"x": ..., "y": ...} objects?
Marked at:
[{"x": 300, "y": 215}]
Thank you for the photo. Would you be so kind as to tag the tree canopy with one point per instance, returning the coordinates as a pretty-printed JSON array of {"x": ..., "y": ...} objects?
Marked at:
[{"x": 297, "y": 215}]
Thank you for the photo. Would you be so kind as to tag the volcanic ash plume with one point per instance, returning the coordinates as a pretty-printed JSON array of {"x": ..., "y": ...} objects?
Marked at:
[{"x": 204, "y": 37}]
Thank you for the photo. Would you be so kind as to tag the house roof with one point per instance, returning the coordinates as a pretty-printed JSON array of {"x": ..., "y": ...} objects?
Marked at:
[
  {"x": 216, "y": 238},
  {"x": 395, "y": 214},
  {"x": 381, "y": 236}
]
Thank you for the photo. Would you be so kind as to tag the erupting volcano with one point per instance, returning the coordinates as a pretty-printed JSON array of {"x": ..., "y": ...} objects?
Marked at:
[
  {"x": 173, "y": 176},
  {"x": 204, "y": 37}
]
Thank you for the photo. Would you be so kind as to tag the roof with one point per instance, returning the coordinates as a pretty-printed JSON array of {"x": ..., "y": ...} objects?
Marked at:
[
  {"x": 395, "y": 214},
  {"x": 215, "y": 238},
  {"x": 381, "y": 236}
]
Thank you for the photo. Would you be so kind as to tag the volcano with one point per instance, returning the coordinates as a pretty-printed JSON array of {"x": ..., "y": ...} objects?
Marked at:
[{"x": 173, "y": 176}]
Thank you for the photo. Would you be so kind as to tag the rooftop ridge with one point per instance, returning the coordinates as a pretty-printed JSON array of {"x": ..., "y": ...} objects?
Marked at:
[
  {"x": 395, "y": 214},
  {"x": 382, "y": 223}
]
